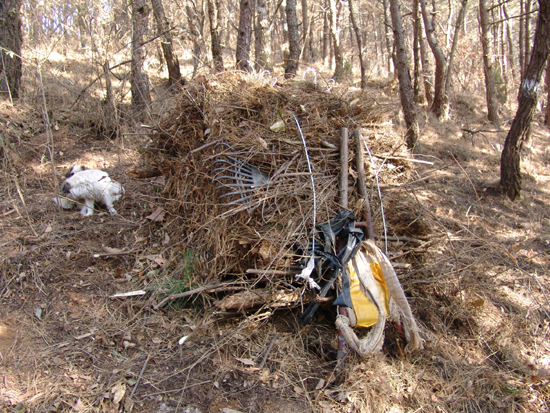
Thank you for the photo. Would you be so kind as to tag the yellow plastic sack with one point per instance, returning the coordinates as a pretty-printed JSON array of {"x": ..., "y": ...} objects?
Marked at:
[{"x": 366, "y": 313}]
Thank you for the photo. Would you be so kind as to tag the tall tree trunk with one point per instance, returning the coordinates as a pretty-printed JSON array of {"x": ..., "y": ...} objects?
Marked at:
[
  {"x": 195, "y": 19},
  {"x": 262, "y": 48},
  {"x": 510, "y": 41},
  {"x": 326, "y": 37},
  {"x": 547, "y": 114},
  {"x": 405, "y": 88},
  {"x": 426, "y": 69},
  {"x": 522, "y": 64},
  {"x": 490, "y": 86},
  {"x": 439, "y": 105},
  {"x": 11, "y": 38},
  {"x": 311, "y": 40},
  {"x": 244, "y": 36},
  {"x": 139, "y": 80},
  {"x": 335, "y": 35},
  {"x": 505, "y": 60},
  {"x": 458, "y": 26},
  {"x": 214, "y": 7},
  {"x": 306, "y": 55},
  {"x": 388, "y": 35},
  {"x": 417, "y": 27},
  {"x": 163, "y": 29},
  {"x": 362, "y": 64},
  {"x": 527, "y": 34},
  {"x": 110, "y": 115},
  {"x": 510, "y": 176},
  {"x": 293, "y": 40}
]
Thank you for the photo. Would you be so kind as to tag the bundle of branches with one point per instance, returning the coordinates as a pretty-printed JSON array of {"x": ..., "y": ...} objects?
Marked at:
[{"x": 234, "y": 121}]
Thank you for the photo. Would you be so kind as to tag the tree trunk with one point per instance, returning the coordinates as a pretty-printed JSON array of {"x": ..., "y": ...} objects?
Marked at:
[
  {"x": 335, "y": 35},
  {"x": 293, "y": 40},
  {"x": 110, "y": 115},
  {"x": 459, "y": 22},
  {"x": 139, "y": 80},
  {"x": 359, "y": 44},
  {"x": 163, "y": 29},
  {"x": 214, "y": 20},
  {"x": 405, "y": 88},
  {"x": 195, "y": 19},
  {"x": 244, "y": 36},
  {"x": 306, "y": 55},
  {"x": 11, "y": 38},
  {"x": 490, "y": 86},
  {"x": 311, "y": 41},
  {"x": 326, "y": 37},
  {"x": 521, "y": 37},
  {"x": 527, "y": 34},
  {"x": 387, "y": 35},
  {"x": 262, "y": 48},
  {"x": 547, "y": 114},
  {"x": 510, "y": 176},
  {"x": 426, "y": 71},
  {"x": 417, "y": 27},
  {"x": 439, "y": 106}
]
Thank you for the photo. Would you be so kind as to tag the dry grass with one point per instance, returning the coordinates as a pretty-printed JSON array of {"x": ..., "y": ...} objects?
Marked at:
[{"x": 475, "y": 268}]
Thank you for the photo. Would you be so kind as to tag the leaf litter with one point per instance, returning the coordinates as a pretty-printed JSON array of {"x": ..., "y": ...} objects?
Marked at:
[{"x": 481, "y": 301}]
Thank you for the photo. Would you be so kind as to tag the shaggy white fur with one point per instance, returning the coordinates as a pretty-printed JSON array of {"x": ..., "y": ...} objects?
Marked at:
[{"x": 84, "y": 186}]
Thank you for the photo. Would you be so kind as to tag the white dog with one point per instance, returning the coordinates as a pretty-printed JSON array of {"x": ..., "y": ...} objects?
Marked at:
[{"x": 82, "y": 187}]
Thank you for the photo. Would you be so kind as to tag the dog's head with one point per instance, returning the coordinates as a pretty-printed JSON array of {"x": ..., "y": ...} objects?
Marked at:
[
  {"x": 116, "y": 190},
  {"x": 74, "y": 169}
]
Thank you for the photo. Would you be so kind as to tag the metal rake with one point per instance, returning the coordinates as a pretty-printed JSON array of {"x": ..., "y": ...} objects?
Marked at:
[{"x": 245, "y": 181}]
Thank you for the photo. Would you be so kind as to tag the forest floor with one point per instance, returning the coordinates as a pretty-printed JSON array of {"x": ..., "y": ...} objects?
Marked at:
[{"x": 478, "y": 284}]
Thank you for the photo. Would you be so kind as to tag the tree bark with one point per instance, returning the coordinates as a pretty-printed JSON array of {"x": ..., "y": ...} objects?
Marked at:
[
  {"x": 426, "y": 71},
  {"x": 293, "y": 40},
  {"x": 510, "y": 41},
  {"x": 311, "y": 41},
  {"x": 486, "y": 45},
  {"x": 359, "y": 44},
  {"x": 458, "y": 26},
  {"x": 387, "y": 35},
  {"x": 195, "y": 19},
  {"x": 417, "y": 27},
  {"x": 244, "y": 36},
  {"x": 163, "y": 30},
  {"x": 527, "y": 34},
  {"x": 439, "y": 105},
  {"x": 11, "y": 39},
  {"x": 306, "y": 55},
  {"x": 335, "y": 35},
  {"x": 521, "y": 38},
  {"x": 547, "y": 114},
  {"x": 110, "y": 109},
  {"x": 405, "y": 88},
  {"x": 214, "y": 7},
  {"x": 262, "y": 48},
  {"x": 326, "y": 37},
  {"x": 510, "y": 176},
  {"x": 139, "y": 80}
]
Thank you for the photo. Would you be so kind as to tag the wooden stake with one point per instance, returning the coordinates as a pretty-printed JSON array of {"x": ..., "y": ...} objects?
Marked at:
[
  {"x": 361, "y": 182},
  {"x": 344, "y": 152}
]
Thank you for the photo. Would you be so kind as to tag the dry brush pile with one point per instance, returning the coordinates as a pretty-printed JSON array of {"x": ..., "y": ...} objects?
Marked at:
[{"x": 232, "y": 128}]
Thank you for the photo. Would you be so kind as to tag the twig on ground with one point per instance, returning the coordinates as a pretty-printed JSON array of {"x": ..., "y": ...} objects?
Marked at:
[
  {"x": 139, "y": 377},
  {"x": 186, "y": 294},
  {"x": 264, "y": 358}
]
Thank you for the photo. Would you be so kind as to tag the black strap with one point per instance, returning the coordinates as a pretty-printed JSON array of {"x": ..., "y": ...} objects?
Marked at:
[{"x": 342, "y": 227}]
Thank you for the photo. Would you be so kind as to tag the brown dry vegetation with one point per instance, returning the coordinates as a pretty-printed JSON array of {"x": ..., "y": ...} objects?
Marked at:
[{"x": 475, "y": 265}]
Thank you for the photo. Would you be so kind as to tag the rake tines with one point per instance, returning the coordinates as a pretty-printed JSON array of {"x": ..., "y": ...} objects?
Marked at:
[{"x": 245, "y": 181}]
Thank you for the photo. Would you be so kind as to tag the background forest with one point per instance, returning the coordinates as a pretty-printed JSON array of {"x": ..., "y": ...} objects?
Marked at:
[{"x": 451, "y": 100}]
